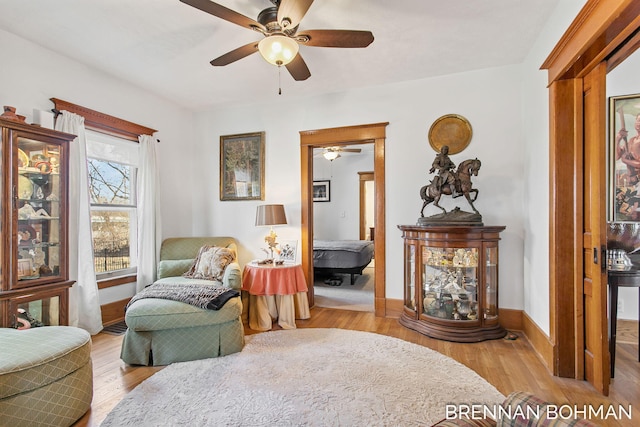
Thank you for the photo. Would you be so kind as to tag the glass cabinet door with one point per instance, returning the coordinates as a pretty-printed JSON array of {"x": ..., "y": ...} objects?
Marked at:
[
  {"x": 33, "y": 311},
  {"x": 491, "y": 284},
  {"x": 449, "y": 283},
  {"x": 410, "y": 277},
  {"x": 39, "y": 199}
]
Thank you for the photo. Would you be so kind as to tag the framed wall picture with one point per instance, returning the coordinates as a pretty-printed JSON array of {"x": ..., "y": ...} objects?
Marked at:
[
  {"x": 288, "y": 251},
  {"x": 242, "y": 166},
  {"x": 624, "y": 154},
  {"x": 322, "y": 191}
]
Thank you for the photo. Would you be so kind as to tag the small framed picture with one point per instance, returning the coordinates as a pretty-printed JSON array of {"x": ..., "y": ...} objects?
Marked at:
[
  {"x": 322, "y": 191},
  {"x": 288, "y": 251}
]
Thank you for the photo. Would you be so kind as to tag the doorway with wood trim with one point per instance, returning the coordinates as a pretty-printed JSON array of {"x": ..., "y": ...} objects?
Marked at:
[
  {"x": 603, "y": 35},
  {"x": 350, "y": 135}
]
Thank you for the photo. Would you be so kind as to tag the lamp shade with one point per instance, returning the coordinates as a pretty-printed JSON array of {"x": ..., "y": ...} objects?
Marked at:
[
  {"x": 278, "y": 50},
  {"x": 270, "y": 215}
]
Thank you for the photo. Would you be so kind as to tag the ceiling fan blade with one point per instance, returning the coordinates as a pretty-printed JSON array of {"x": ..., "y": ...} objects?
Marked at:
[
  {"x": 235, "y": 54},
  {"x": 298, "y": 68},
  {"x": 225, "y": 13},
  {"x": 292, "y": 11},
  {"x": 336, "y": 38},
  {"x": 351, "y": 150}
]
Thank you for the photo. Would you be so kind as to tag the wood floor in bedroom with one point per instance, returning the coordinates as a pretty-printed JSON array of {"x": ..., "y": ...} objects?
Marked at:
[{"x": 508, "y": 365}]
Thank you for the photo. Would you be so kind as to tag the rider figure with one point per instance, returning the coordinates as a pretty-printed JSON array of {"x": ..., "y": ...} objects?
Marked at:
[{"x": 443, "y": 164}]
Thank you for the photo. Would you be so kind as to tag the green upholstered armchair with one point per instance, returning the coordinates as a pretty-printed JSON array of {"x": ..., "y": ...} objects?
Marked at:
[{"x": 162, "y": 331}]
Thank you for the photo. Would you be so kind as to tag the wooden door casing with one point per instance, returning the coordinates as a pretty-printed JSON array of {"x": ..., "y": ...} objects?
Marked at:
[
  {"x": 364, "y": 177},
  {"x": 603, "y": 34}
]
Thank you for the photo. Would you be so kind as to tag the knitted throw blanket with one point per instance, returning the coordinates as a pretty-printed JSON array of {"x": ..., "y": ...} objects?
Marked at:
[{"x": 211, "y": 297}]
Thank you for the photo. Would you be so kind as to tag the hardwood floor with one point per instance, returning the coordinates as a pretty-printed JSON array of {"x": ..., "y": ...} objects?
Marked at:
[{"x": 508, "y": 365}]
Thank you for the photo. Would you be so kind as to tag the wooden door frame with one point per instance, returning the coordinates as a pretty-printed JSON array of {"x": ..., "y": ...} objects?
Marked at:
[
  {"x": 363, "y": 178},
  {"x": 604, "y": 31},
  {"x": 350, "y": 135}
]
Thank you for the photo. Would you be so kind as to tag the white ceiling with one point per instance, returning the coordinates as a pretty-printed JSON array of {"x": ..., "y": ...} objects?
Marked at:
[{"x": 165, "y": 46}]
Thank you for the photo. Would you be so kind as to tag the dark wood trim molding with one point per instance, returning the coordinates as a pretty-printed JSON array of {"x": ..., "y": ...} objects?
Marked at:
[
  {"x": 599, "y": 30},
  {"x": 394, "y": 308},
  {"x": 113, "y": 312},
  {"x": 511, "y": 319},
  {"x": 540, "y": 342},
  {"x": 109, "y": 283},
  {"x": 565, "y": 254},
  {"x": 363, "y": 178},
  {"x": 104, "y": 123}
]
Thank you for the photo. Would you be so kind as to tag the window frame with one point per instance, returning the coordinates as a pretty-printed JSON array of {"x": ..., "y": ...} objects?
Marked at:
[{"x": 110, "y": 125}]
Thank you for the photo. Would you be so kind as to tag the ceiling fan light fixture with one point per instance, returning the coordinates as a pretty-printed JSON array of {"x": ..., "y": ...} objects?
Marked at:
[
  {"x": 278, "y": 49},
  {"x": 331, "y": 155}
]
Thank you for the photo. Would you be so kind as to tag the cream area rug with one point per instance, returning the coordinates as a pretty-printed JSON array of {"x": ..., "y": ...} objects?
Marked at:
[{"x": 307, "y": 377}]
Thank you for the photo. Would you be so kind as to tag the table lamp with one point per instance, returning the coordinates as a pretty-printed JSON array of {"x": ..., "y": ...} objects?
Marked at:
[{"x": 270, "y": 215}]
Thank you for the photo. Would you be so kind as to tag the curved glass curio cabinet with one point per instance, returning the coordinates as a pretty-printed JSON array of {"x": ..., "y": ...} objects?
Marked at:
[
  {"x": 451, "y": 282},
  {"x": 34, "y": 280}
]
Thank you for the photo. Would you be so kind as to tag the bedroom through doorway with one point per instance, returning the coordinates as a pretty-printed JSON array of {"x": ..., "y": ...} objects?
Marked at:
[
  {"x": 372, "y": 133},
  {"x": 345, "y": 217}
]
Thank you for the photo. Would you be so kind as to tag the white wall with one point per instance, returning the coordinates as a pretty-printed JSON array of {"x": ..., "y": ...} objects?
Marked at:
[
  {"x": 623, "y": 80},
  {"x": 30, "y": 75},
  {"x": 490, "y": 99},
  {"x": 535, "y": 130},
  {"x": 339, "y": 219}
]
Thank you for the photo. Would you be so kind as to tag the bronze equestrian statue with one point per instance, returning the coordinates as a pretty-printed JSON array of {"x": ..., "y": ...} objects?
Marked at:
[{"x": 452, "y": 183}]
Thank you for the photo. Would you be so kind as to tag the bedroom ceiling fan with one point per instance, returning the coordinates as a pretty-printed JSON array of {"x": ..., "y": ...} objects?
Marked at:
[
  {"x": 332, "y": 153},
  {"x": 279, "y": 26}
]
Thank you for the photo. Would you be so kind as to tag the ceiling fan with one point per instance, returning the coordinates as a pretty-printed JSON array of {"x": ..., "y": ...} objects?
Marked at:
[
  {"x": 332, "y": 153},
  {"x": 279, "y": 26}
]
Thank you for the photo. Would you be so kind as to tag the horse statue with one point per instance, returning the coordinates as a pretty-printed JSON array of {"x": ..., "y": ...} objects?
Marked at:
[{"x": 463, "y": 186}]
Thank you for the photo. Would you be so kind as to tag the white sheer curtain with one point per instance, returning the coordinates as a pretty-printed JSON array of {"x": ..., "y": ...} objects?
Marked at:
[
  {"x": 149, "y": 233},
  {"x": 84, "y": 304}
]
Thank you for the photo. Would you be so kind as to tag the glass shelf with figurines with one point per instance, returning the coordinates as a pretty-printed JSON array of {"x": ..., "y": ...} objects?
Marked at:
[{"x": 40, "y": 198}]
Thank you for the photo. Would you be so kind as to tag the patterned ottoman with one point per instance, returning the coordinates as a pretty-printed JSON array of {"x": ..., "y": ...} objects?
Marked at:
[{"x": 45, "y": 376}]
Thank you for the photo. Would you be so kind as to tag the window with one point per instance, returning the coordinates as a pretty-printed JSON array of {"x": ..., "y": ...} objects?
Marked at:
[{"x": 112, "y": 166}]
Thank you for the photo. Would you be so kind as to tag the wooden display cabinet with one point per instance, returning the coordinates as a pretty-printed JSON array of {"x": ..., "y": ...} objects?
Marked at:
[
  {"x": 34, "y": 230},
  {"x": 451, "y": 282}
]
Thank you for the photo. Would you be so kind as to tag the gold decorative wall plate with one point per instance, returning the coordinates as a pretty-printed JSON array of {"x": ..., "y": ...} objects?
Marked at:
[{"x": 452, "y": 130}]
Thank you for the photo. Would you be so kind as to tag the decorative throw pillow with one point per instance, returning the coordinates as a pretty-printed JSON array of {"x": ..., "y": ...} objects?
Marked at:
[
  {"x": 173, "y": 267},
  {"x": 210, "y": 263}
]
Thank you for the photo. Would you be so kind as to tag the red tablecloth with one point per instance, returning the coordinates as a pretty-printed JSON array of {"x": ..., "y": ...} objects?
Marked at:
[
  {"x": 275, "y": 292},
  {"x": 270, "y": 280}
]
